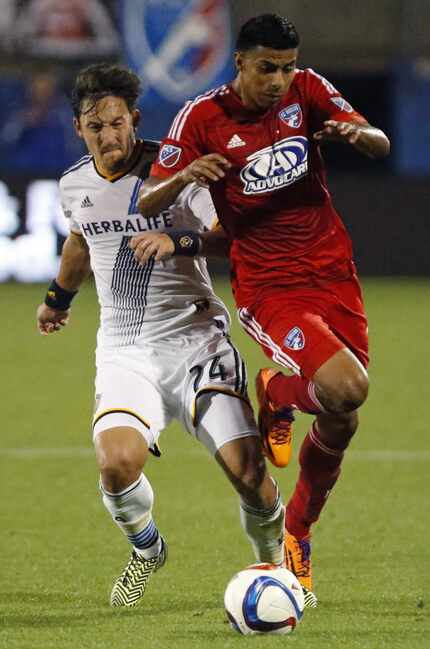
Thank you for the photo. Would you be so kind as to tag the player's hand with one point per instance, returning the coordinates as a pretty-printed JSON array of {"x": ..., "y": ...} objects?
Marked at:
[
  {"x": 209, "y": 168},
  {"x": 348, "y": 132},
  {"x": 51, "y": 320},
  {"x": 152, "y": 244}
]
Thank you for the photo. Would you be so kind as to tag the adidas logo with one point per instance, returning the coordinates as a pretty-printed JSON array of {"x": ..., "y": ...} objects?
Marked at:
[
  {"x": 86, "y": 202},
  {"x": 235, "y": 142}
]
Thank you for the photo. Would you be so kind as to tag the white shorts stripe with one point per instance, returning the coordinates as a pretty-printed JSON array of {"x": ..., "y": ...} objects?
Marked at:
[{"x": 250, "y": 324}]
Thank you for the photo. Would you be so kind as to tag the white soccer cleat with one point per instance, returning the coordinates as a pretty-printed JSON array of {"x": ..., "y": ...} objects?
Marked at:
[{"x": 130, "y": 586}]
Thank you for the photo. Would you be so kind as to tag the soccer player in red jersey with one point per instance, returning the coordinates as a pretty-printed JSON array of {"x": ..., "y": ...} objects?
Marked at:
[{"x": 256, "y": 144}]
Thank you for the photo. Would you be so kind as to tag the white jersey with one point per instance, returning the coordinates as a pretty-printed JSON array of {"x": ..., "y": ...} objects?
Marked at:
[{"x": 140, "y": 304}]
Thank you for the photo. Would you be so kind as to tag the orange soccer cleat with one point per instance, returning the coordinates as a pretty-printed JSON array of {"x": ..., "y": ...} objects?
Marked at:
[
  {"x": 298, "y": 561},
  {"x": 275, "y": 424}
]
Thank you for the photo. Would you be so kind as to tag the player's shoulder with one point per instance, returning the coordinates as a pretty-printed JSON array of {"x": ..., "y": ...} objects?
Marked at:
[
  {"x": 79, "y": 164},
  {"x": 308, "y": 78},
  {"x": 151, "y": 146},
  {"x": 80, "y": 167},
  {"x": 205, "y": 106},
  {"x": 202, "y": 108},
  {"x": 149, "y": 151}
]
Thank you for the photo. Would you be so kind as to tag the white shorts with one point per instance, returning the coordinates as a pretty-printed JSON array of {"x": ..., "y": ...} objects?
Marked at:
[{"x": 202, "y": 385}]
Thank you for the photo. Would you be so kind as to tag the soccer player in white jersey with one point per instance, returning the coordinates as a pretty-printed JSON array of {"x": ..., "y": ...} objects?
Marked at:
[{"x": 163, "y": 349}]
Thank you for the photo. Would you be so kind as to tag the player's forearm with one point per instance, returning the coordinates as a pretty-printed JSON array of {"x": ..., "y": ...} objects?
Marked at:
[
  {"x": 75, "y": 263},
  {"x": 373, "y": 142},
  {"x": 215, "y": 244},
  {"x": 156, "y": 196}
]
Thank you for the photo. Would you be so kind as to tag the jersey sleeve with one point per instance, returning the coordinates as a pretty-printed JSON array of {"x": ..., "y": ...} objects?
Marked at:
[
  {"x": 183, "y": 144},
  {"x": 199, "y": 201},
  {"x": 327, "y": 103}
]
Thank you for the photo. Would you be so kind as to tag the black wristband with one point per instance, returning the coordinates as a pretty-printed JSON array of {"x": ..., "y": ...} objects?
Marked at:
[
  {"x": 187, "y": 243},
  {"x": 58, "y": 298}
]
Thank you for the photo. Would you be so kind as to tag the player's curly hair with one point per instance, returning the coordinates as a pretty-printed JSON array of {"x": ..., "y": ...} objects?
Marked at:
[
  {"x": 102, "y": 79},
  {"x": 267, "y": 30}
]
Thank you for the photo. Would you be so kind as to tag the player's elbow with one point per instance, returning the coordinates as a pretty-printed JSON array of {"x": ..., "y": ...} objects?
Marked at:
[
  {"x": 385, "y": 146},
  {"x": 382, "y": 146}
]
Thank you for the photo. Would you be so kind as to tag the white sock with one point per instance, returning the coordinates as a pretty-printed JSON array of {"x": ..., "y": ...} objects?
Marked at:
[
  {"x": 131, "y": 509},
  {"x": 265, "y": 530}
]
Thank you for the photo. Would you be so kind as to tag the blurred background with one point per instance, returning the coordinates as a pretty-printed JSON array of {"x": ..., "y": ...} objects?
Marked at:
[
  {"x": 376, "y": 53},
  {"x": 59, "y": 551}
]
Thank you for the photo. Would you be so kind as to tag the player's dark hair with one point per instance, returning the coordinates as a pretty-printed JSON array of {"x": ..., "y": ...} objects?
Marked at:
[
  {"x": 103, "y": 79},
  {"x": 267, "y": 30}
]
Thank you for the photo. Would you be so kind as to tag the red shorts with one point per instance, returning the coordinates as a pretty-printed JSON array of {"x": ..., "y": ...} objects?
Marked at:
[{"x": 302, "y": 328}]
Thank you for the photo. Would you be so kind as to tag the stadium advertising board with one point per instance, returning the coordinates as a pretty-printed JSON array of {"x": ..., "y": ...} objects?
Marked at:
[{"x": 32, "y": 228}]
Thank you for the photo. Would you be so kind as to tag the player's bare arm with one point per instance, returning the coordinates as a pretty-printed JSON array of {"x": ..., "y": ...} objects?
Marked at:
[
  {"x": 162, "y": 246},
  {"x": 74, "y": 269},
  {"x": 215, "y": 243},
  {"x": 365, "y": 138},
  {"x": 157, "y": 195}
]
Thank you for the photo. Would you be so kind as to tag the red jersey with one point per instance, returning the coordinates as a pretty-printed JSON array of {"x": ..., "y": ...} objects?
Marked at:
[{"x": 274, "y": 202}]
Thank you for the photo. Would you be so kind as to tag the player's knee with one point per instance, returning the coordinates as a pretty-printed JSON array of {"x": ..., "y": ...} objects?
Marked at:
[
  {"x": 348, "y": 393},
  {"x": 354, "y": 391},
  {"x": 118, "y": 470}
]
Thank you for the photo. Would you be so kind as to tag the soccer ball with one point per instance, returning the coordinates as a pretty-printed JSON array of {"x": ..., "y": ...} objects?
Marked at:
[{"x": 264, "y": 599}]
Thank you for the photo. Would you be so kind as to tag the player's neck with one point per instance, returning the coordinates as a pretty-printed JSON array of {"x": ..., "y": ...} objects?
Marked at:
[
  {"x": 126, "y": 165},
  {"x": 246, "y": 101}
]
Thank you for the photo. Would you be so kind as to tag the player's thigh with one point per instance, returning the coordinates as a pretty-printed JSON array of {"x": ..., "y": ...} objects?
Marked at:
[
  {"x": 223, "y": 418},
  {"x": 216, "y": 407},
  {"x": 293, "y": 333},
  {"x": 347, "y": 318},
  {"x": 126, "y": 397}
]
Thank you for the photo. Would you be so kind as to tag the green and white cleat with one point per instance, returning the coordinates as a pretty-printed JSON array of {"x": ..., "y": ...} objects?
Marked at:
[
  {"x": 130, "y": 586},
  {"x": 311, "y": 600}
]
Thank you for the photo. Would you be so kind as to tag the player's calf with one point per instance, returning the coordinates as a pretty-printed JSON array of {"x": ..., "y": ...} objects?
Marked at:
[
  {"x": 261, "y": 508},
  {"x": 131, "y": 510},
  {"x": 265, "y": 530}
]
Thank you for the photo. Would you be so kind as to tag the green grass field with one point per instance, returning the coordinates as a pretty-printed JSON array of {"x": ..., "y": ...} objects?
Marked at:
[{"x": 60, "y": 551}]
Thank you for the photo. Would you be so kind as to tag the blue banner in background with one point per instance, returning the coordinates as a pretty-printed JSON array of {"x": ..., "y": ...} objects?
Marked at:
[
  {"x": 411, "y": 123},
  {"x": 179, "y": 48}
]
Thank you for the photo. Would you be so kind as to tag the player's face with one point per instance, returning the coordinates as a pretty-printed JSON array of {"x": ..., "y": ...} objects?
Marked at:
[
  {"x": 108, "y": 128},
  {"x": 264, "y": 76}
]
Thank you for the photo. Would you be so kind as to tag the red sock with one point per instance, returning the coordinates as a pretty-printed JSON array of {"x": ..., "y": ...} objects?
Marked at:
[
  {"x": 294, "y": 391},
  {"x": 320, "y": 468}
]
